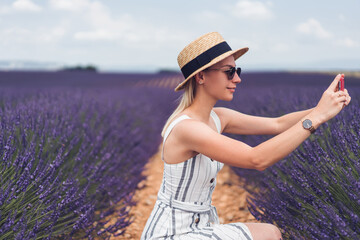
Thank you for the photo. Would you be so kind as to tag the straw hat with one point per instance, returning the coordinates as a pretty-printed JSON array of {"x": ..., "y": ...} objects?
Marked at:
[{"x": 202, "y": 53}]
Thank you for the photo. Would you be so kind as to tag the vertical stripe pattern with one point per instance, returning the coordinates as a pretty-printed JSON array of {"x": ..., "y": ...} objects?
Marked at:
[
  {"x": 190, "y": 182},
  {"x": 190, "y": 178}
]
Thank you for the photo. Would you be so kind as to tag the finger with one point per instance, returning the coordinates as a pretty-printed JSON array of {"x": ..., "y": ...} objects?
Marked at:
[
  {"x": 342, "y": 93},
  {"x": 339, "y": 94},
  {"x": 348, "y": 101},
  {"x": 333, "y": 86},
  {"x": 341, "y": 99},
  {"x": 347, "y": 96}
]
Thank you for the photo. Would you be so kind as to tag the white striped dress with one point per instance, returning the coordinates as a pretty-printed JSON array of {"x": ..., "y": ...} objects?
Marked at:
[{"x": 183, "y": 208}]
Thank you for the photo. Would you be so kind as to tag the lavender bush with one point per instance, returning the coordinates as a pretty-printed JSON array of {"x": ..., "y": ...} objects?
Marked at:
[
  {"x": 71, "y": 157},
  {"x": 314, "y": 193},
  {"x": 73, "y": 150},
  {"x": 317, "y": 186}
]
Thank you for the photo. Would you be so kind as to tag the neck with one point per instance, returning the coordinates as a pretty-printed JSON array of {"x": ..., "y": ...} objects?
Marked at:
[{"x": 202, "y": 106}]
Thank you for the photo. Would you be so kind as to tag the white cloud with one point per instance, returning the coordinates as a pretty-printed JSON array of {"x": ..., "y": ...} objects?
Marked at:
[
  {"x": 21, "y": 35},
  {"x": 281, "y": 47},
  {"x": 26, "y": 5},
  {"x": 51, "y": 35},
  {"x": 14, "y": 35},
  {"x": 70, "y": 5},
  {"x": 348, "y": 42},
  {"x": 102, "y": 25},
  {"x": 314, "y": 28},
  {"x": 252, "y": 10},
  {"x": 5, "y": 9},
  {"x": 94, "y": 35},
  {"x": 96, "y": 16},
  {"x": 92, "y": 11},
  {"x": 105, "y": 27}
]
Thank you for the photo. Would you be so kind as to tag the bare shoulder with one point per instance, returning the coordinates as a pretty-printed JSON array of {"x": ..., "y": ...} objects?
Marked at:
[
  {"x": 190, "y": 130},
  {"x": 193, "y": 134},
  {"x": 199, "y": 137},
  {"x": 236, "y": 122},
  {"x": 186, "y": 129},
  {"x": 223, "y": 114}
]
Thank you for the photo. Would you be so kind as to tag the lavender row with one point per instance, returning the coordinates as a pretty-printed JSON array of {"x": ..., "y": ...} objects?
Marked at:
[
  {"x": 87, "y": 148},
  {"x": 314, "y": 193},
  {"x": 71, "y": 157}
]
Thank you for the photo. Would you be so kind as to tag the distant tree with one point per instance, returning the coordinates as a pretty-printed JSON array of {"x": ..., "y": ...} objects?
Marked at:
[
  {"x": 167, "y": 71},
  {"x": 90, "y": 68}
]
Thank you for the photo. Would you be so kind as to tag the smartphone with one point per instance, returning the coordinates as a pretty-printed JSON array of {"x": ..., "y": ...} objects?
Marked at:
[{"x": 341, "y": 84}]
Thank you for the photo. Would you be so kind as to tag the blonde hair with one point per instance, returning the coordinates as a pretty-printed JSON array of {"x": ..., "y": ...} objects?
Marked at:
[{"x": 186, "y": 100}]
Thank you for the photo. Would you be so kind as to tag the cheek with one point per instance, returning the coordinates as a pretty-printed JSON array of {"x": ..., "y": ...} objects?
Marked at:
[
  {"x": 216, "y": 85},
  {"x": 219, "y": 89}
]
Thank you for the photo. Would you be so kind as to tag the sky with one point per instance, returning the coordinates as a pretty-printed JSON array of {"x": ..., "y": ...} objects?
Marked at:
[{"x": 116, "y": 35}]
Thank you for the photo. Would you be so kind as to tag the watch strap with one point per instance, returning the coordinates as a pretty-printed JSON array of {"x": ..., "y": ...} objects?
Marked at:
[{"x": 312, "y": 129}]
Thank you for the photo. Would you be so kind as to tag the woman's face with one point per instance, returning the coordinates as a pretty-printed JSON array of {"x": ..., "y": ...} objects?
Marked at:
[{"x": 216, "y": 82}]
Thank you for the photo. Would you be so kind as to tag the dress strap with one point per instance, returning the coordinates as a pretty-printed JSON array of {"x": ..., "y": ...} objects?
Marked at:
[
  {"x": 168, "y": 130},
  {"x": 217, "y": 120},
  {"x": 182, "y": 117}
]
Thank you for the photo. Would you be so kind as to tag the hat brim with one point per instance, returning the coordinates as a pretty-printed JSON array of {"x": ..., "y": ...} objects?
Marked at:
[{"x": 236, "y": 53}]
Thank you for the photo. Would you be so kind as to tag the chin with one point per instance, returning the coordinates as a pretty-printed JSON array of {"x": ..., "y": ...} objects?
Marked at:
[
  {"x": 227, "y": 98},
  {"x": 230, "y": 99}
]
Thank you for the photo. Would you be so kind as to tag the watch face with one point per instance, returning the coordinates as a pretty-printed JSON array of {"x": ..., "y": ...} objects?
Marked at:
[{"x": 307, "y": 123}]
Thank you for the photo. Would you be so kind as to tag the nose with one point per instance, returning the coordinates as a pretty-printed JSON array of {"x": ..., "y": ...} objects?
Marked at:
[{"x": 236, "y": 79}]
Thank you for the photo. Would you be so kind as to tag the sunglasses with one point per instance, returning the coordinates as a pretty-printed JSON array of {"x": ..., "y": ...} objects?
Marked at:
[{"x": 230, "y": 72}]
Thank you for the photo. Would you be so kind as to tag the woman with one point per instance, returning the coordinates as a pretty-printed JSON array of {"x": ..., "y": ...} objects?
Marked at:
[{"x": 196, "y": 150}]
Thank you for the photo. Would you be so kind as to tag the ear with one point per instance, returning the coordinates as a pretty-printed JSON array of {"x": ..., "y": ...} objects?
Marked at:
[{"x": 200, "y": 78}]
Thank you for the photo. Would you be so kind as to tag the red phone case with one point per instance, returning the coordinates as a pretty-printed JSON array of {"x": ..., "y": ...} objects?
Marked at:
[{"x": 341, "y": 84}]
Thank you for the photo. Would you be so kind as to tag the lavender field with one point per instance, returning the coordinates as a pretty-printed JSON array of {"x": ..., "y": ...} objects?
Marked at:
[
  {"x": 314, "y": 193},
  {"x": 74, "y": 145}
]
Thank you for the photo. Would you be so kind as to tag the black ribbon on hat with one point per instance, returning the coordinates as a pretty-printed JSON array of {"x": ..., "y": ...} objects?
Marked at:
[{"x": 204, "y": 58}]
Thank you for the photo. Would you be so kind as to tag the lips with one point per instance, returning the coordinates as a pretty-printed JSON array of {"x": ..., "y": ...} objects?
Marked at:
[{"x": 232, "y": 90}]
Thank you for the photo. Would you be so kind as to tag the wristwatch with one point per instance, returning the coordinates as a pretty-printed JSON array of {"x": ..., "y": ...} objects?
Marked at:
[{"x": 307, "y": 124}]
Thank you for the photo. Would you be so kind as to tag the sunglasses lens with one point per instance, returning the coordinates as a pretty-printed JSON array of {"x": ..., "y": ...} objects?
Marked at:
[
  {"x": 231, "y": 73},
  {"x": 238, "y": 71}
]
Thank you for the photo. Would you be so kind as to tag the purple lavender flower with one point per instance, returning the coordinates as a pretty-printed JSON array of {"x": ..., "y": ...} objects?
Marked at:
[
  {"x": 70, "y": 155},
  {"x": 314, "y": 192}
]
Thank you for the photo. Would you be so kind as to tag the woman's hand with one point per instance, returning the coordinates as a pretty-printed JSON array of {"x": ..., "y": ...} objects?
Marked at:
[
  {"x": 348, "y": 98},
  {"x": 332, "y": 101}
]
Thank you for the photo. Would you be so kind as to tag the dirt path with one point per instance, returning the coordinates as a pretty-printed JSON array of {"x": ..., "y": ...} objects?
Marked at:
[{"x": 228, "y": 198}]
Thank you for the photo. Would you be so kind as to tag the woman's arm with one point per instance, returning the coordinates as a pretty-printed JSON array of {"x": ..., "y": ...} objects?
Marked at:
[
  {"x": 236, "y": 122},
  {"x": 278, "y": 147},
  {"x": 199, "y": 137},
  {"x": 286, "y": 121}
]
